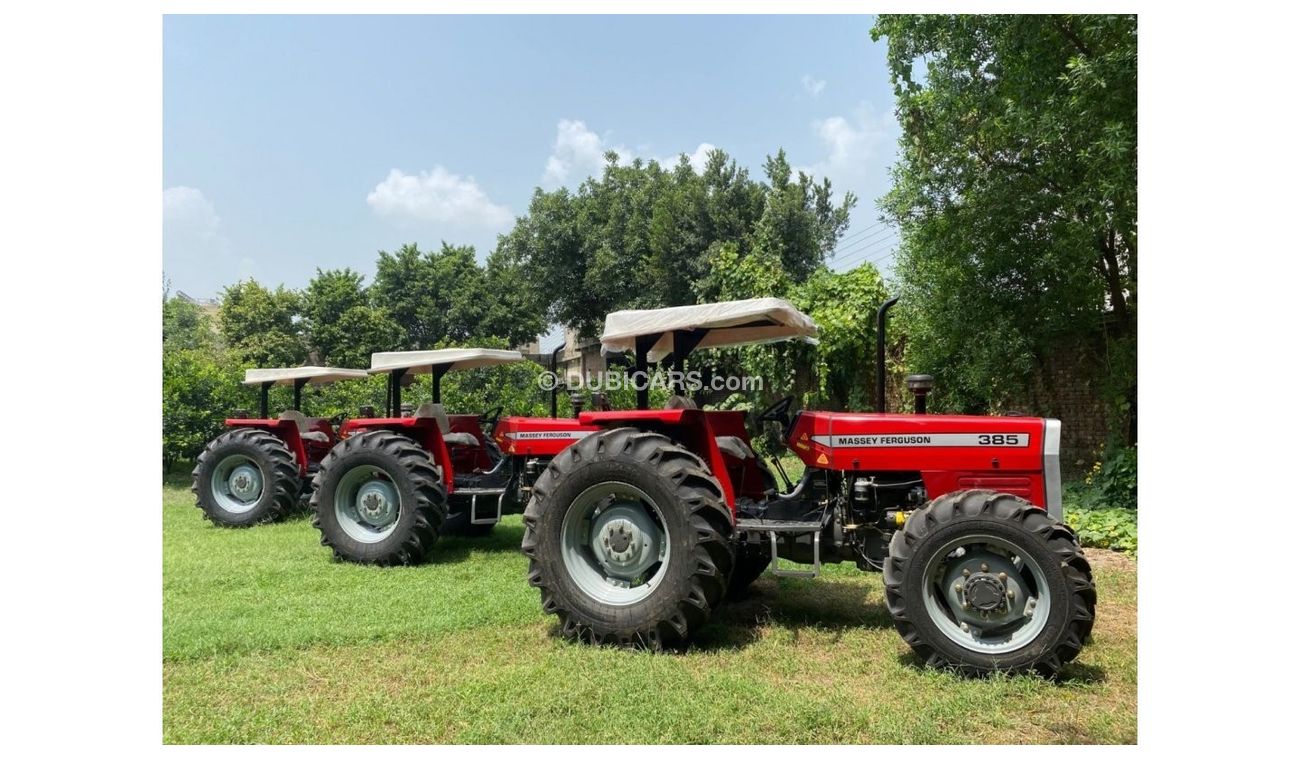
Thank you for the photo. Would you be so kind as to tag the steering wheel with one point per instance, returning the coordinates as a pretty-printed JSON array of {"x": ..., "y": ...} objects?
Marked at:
[
  {"x": 488, "y": 420},
  {"x": 778, "y": 412},
  {"x": 337, "y": 420}
]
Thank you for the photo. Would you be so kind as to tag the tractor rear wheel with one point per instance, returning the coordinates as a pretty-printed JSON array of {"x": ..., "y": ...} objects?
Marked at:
[
  {"x": 980, "y": 581},
  {"x": 379, "y": 499},
  {"x": 245, "y": 477},
  {"x": 627, "y": 538}
]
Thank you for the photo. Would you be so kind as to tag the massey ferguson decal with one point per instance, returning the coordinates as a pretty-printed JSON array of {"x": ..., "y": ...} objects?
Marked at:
[
  {"x": 1015, "y": 440},
  {"x": 551, "y": 435}
]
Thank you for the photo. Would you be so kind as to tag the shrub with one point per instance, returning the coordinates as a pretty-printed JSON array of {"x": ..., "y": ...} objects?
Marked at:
[
  {"x": 199, "y": 390},
  {"x": 1104, "y": 527},
  {"x": 1113, "y": 480}
]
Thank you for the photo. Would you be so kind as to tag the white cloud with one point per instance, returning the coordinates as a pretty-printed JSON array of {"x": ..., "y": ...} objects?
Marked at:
[
  {"x": 188, "y": 213},
  {"x": 853, "y": 146},
  {"x": 197, "y": 256},
  {"x": 697, "y": 158},
  {"x": 812, "y": 86},
  {"x": 578, "y": 153},
  {"x": 437, "y": 196}
]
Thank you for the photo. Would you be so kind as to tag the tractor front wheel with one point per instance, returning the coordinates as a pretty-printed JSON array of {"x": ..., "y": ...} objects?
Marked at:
[
  {"x": 246, "y": 477},
  {"x": 980, "y": 581},
  {"x": 379, "y": 499},
  {"x": 627, "y": 538}
]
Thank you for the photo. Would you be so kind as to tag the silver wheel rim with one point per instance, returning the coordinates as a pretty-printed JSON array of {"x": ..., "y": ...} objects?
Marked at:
[
  {"x": 237, "y": 484},
  {"x": 366, "y": 504},
  {"x": 614, "y": 544},
  {"x": 986, "y": 594}
]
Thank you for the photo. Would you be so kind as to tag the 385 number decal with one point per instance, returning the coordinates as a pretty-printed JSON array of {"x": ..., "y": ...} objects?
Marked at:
[{"x": 999, "y": 439}]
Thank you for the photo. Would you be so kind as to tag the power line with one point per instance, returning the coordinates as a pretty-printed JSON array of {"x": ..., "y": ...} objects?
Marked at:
[
  {"x": 859, "y": 233},
  {"x": 866, "y": 245},
  {"x": 848, "y": 249}
]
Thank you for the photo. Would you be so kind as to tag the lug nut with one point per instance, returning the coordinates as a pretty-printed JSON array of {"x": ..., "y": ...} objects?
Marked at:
[
  {"x": 956, "y": 587},
  {"x": 984, "y": 567},
  {"x": 1002, "y": 576},
  {"x": 966, "y": 571}
]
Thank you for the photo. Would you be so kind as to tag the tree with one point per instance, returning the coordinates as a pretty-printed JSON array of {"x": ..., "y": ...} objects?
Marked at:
[
  {"x": 342, "y": 326},
  {"x": 260, "y": 326},
  {"x": 184, "y": 325},
  {"x": 445, "y": 295},
  {"x": 1015, "y": 194},
  {"x": 643, "y": 236}
]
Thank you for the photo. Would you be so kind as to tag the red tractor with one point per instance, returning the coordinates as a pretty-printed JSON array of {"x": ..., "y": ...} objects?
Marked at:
[
  {"x": 395, "y": 484},
  {"x": 258, "y": 471},
  {"x": 635, "y": 534}
]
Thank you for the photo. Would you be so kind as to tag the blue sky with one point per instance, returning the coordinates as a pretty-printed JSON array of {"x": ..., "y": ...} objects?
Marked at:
[{"x": 291, "y": 143}]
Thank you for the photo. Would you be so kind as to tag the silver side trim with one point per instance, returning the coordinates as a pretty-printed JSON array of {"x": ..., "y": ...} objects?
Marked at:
[{"x": 1052, "y": 468}]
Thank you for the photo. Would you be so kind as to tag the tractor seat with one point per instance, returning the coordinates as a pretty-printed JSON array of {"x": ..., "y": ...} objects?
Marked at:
[
  {"x": 429, "y": 409},
  {"x": 734, "y": 446},
  {"x": 304, "y": 428}
]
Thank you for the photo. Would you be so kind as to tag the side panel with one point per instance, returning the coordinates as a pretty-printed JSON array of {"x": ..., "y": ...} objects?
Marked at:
[
  {"x": 539, "y": 436},
  {"x": 423, "y": 430},
  {"x": 951, "y": 452}
]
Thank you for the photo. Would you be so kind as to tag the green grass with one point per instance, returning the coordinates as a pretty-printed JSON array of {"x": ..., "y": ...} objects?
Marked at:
[{"x": 267, "y": 640}]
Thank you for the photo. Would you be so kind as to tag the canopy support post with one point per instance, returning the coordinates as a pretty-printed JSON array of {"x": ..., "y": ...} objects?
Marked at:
[
  {"x": 641, "y": 372},
  {"x": 264, "y": 400},
  {"x": 297, "y": 393},
  {"x": 436, "y": 371}
]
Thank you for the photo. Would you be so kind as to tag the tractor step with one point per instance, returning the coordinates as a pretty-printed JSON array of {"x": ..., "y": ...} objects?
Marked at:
[
  {"x": 474, "y": 494},
  {"x": 784, "y": 527}
]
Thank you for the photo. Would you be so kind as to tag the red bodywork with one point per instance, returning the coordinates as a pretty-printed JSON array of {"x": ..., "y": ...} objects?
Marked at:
[
  {"x": 423, "y": 430},
  {"x": 949, "y": 452},
  {"x": 539, "y": 436},
  {"x": 305, "y": 452}
]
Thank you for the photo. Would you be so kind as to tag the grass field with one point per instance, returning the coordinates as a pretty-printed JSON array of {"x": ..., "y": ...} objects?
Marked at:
[{"x": 267, "y": 640}]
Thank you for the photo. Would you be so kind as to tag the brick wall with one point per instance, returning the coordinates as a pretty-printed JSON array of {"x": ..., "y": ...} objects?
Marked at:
[{"x": 1070, "y": 388}]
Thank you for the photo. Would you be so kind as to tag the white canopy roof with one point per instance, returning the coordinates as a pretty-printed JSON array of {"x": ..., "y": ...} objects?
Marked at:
[
  {"x": 418, "y": 362},
  {"x": 313, "y": 375},
  {"x": 730, "y": 323}
]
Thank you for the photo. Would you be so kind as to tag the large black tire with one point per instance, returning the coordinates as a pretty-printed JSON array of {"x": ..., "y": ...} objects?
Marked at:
[
  {"x": 1041, "y": 538},
  {"x": 422, "y": 498},
  {"x": 696, "y": 520},
  {"x": 751, "y": 561},
  {"x": 279, "y": 474}
]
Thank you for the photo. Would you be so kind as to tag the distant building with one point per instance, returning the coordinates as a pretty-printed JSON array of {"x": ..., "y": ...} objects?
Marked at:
[
  {"x": 210, "y": 306},
  {"x": 579, "y": 358}
]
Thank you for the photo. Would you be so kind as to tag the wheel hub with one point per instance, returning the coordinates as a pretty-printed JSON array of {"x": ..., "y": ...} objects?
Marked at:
[
  {"x": 377, "y": 503},
  {"x": 985, "y": 592},
  {"x": 245, "y": 482},
  {"x": 624, "y": 541}
]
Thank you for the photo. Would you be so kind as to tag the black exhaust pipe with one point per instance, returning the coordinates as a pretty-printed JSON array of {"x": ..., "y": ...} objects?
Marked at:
[
  {"x": 880, "y": 352},
  {"x": 555, "y": 357}
]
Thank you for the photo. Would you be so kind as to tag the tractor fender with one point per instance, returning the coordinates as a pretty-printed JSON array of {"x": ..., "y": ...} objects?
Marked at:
[
  {"x": 423, "y": 430},
  {"x": 285, "y": 430},
  {"x": 689, "y": 427}
]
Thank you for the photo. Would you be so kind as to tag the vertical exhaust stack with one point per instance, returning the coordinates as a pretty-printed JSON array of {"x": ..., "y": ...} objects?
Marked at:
[
  {"x": 920, "y": 386},
  {"x": 880, "y": 352}
]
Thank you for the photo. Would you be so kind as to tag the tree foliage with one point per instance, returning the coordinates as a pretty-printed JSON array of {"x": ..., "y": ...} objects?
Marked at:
[
  {"x": 644, "y": 236},
  {"x": 260, "y": 325},
  {"x": 342, "y": 325},
  {"x": 443, "y": 295},
  {"x": 1015, "y": 194}
]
